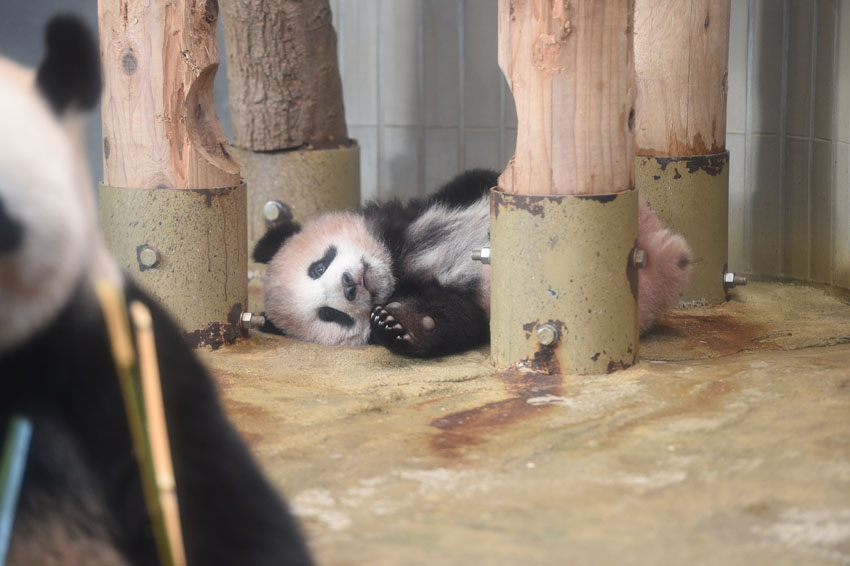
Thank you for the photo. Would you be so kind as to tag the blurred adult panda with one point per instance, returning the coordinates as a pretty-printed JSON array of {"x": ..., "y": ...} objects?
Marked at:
[{"x": 81, "y": 500}]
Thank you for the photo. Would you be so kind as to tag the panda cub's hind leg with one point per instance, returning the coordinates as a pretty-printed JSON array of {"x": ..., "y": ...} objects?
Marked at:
[{"x": 430, "y": 320}]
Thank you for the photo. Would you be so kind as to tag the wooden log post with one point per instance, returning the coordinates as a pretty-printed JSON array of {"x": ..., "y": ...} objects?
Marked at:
[
  {"x": 172, "y": 208},
  {"x": 564, "y": 220},
  {"x": 570, "y": 68},
  {"x": 288, "y": 117},
  {"x": 681, "y": 55}
]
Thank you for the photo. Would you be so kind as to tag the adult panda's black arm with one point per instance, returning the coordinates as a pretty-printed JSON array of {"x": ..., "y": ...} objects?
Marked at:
[
  {"x": 428, "y": 320},
  {"x": 80, "y": 474},
  {"x": 231, "y": 514},
  {"x": 82, "y": 469}
]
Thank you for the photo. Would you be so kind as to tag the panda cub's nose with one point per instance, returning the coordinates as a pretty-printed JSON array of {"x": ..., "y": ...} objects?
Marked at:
[{"x": 349, "y": 286}]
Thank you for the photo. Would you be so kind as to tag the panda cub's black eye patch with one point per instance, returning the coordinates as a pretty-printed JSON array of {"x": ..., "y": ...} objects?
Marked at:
[
  {"x": 317, "y": 268},
  {"x": 330, "y": 314}
]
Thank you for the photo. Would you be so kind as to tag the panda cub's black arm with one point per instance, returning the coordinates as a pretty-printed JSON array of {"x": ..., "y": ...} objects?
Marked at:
[{"x": 430, "y": 320}]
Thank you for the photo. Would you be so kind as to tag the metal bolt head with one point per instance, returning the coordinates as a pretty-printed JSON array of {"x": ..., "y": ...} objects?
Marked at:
[
  {"x": 248, "y": 320},
  {"x": 245, "y": 319},
  {"x": 275, "y": 212},
  {"x": 639, "y": 258},
  {"x": 731, "y": 280},
  {"x": 482, "y": 255},
  {"x": 149, "y": 257},
  {"x": 547, "y": 334}
]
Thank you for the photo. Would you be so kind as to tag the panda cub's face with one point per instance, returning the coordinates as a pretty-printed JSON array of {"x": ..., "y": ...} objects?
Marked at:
[
  {"x": 44, "y": 225},
  {"x": 323, "y": 282}
]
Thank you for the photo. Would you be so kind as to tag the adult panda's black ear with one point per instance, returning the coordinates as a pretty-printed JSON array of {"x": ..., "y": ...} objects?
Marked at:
[
  {"x": 70, "y": 73},
  {"x": 273, "y": 240}
]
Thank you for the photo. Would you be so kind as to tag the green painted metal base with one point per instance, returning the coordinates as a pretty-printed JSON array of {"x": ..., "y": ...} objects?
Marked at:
[
  {"x": 187, "y": 247},
  {"x": 308, "y": 182},
  {"x": 691, "y": 195},
  {"x": 563, "y": 265}
]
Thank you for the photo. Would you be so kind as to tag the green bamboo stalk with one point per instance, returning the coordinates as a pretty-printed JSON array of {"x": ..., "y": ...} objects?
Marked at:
[{"x": 12, "y": 464}]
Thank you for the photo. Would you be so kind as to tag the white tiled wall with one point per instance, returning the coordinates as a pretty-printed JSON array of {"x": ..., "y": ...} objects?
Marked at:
[
  {"x": 788, "y": 123},
  {"x": 424, "y": 95},
  {"x": 425, "y": 98}
]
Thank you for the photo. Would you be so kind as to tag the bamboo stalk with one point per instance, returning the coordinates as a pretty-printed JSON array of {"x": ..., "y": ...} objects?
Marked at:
[
  {"x": 12, "y": 464},
  {"x": 114, "y": 309},
  {"x": 157, "y": 429}
]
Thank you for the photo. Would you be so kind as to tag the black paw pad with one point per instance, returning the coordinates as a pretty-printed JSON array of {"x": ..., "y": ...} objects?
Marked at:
[{"x": 386, "y": 329}]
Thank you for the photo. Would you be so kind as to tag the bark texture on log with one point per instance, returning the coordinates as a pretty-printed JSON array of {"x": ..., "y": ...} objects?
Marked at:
[
  {"x": 569, "y": 65},
  {"x": 681, "y": 57},
  {"x": 159, "y": 123},
  {"x": 285, "y": 87}
]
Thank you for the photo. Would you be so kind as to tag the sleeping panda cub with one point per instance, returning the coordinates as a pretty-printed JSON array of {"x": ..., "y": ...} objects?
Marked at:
[
  {"x": 403, "y": 275},
  {"x": 81, "y": 500}
]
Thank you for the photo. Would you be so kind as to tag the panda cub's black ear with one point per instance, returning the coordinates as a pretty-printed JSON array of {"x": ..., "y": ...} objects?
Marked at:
[
  {"x": 70, "y": 73},
  {"x": 274, "y": 239}
]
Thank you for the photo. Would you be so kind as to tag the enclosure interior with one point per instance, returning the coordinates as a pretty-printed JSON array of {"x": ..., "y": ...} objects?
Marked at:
[{"x": 729, "y": 443}]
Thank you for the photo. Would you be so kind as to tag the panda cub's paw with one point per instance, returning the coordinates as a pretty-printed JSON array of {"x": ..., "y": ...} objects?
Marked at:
[{"x": 401, "y": 328}]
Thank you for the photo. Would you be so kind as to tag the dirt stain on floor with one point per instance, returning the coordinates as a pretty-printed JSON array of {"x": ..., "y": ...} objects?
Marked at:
[
  {"x": 467, "y": 428},
  {"x": 704, "y": 336}
]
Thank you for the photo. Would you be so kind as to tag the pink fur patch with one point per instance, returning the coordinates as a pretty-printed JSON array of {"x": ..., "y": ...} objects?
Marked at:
[{"x": 668, "y": 264}]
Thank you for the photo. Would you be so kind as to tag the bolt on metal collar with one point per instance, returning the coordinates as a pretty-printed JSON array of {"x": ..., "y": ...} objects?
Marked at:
[
  {"x": 482, "y": 255},
  {"x": 731, "y": 280},
  {"x": 639, "y": 258},
  {"x": 275, "y": 212},
  {"x": 248, "y": 320},
  {"x": 547, "y": 334},
  {"x": 149, "y": 257}
]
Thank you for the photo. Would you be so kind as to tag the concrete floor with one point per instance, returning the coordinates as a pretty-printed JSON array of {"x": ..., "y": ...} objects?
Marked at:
[{"x": 729, "y": 444}]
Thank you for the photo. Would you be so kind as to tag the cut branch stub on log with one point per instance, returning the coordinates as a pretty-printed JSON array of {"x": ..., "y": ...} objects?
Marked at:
[
  {"x": 159, "y": 123},
  {"x": 571, "y": 71},
  {"x": 285, "y": 88}
]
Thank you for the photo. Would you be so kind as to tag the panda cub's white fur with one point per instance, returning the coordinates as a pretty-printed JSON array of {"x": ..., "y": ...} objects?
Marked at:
[
  {"x": 403, "y": 276},
  {"x": 449, "y": 260}
]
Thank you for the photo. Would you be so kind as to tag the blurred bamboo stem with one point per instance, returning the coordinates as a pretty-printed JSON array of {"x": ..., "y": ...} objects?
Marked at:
[
  {"x": 158, "y": 429},
  {"x": 13, "y": 460},
  {"x": 114, "y": 309}
]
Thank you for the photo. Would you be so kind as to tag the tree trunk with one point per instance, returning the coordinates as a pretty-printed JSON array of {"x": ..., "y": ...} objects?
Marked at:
[{"x": 285, "y": 88}]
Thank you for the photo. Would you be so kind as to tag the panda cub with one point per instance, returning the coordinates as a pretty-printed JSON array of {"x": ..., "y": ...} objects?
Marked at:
[
  {"x": 81, "y": 500},
  {"x": 403, "y": 275}
]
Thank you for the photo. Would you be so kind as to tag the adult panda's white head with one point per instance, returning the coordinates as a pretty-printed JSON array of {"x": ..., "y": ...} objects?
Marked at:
[
  {"x": 322, "y": 281},
  {"x": 48, "y": 236}
]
